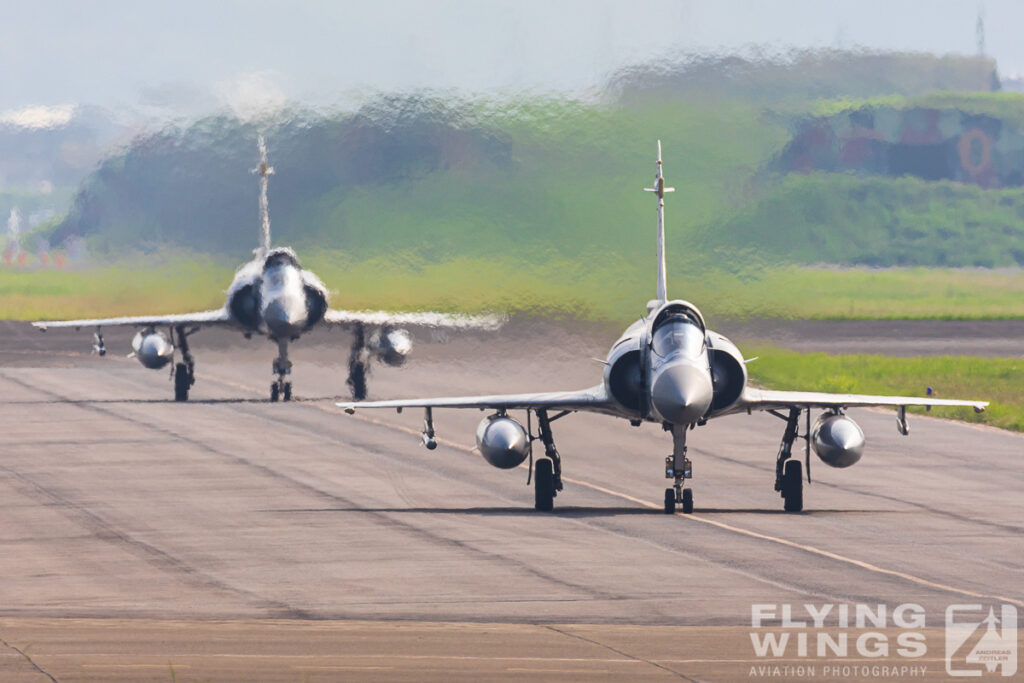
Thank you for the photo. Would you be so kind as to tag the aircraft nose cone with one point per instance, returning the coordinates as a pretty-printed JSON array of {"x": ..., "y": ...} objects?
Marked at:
[
  {"x": 681, "y": 393},
  {"x": 282, "y": 319}
]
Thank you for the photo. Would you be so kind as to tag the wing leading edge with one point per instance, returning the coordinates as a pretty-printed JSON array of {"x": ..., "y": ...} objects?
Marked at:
[
  {"x": 594, "y": 399},
  {"x": 765, "y": 399},
  {"x": 426, "y": 319},
  {"x": 218, "y": 317}
]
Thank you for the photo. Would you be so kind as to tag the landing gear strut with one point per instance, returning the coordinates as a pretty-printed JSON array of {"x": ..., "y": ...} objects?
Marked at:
[
  {"x": 679, "y": 468},
  {"x": 184, "y": 372},
  {"x": 98, "y": 346},
  {"x": 281, "y": 389},
  {"x": 547, "y": 471},
  {"x": 428, "y": 429},
  {"x": 358, "y": 364},
  {"x": 789, "y": 480}
]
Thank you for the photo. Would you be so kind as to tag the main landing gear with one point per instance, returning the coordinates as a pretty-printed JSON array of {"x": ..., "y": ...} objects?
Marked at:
[
  {"x": 679, "y": 468},
  {"x": 358, "y": 363},
  {"x": 789, "y": 480},
  {"x": 98, "y": 347},
  {"x": 280, "y": 389},
  {"x": 547, "y": 471},
  {"x": 184, "y": 372}
]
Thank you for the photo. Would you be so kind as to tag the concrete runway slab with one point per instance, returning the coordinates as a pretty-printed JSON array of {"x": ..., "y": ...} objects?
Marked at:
[
  {"x": 124, "y": 514},
  {"x": 281, "y": 650}
]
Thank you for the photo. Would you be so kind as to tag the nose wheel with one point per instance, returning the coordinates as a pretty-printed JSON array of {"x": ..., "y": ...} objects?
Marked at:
[
  {"x": 676, "y": 496},
  {"x": 281, "y": 390},
  {"x": 679, "y": 468}
]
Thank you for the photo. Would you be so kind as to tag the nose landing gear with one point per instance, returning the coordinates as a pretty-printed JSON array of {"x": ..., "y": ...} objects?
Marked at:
[
  {"x": 679, "y": 468},
  {"x": 280, "y": 389}
]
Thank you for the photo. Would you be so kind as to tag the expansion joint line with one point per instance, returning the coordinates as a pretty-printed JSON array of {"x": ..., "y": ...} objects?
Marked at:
[
  {"x": 621, "y": 653},
  {"x": 27, "y": 659}
]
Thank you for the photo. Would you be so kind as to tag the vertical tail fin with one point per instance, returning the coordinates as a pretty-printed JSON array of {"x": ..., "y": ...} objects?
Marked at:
[
  {"x": 263, "y": 171},
  {"x": 659, "y": 190}
]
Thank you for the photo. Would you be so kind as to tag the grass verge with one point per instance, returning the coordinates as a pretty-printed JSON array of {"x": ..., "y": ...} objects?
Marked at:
[{"x": 999, "y": 380}]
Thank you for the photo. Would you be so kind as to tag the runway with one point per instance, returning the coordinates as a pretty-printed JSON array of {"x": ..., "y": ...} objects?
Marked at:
[{"x": 234, "y": 523}]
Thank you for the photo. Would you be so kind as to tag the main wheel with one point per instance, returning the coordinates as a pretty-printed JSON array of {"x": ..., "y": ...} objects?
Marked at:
[
  {"x": 287, "y": 391},
  {"x": 687, "y": 501},
  {"x": 670, "y": 501},
  {"x": 543, "y": 485},
  {"x": 357, "y": 379},
  {"x": 182, "y": 382},
  {"x": 274, "y": 392},
  {"x": 793, "y": 486}
]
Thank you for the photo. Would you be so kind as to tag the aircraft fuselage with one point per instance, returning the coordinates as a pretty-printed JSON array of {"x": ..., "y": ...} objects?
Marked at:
[
  {"x": 274, "y": 296},
  {"x": 669, "y": 368}
]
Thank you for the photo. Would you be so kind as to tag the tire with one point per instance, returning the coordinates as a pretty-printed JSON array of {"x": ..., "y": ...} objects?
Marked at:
[
  {"x": 357, "y": 380},
  {"x": 793, "y": 486},
  {"x": 287, "y": 391},
  {"x": 543, "y": 485},
  {"x": 670, "y": 501},
  {"x": 687, "y": 501},
  {"x": 274, "y": 392},
  {"x": 182, "y": 382}
]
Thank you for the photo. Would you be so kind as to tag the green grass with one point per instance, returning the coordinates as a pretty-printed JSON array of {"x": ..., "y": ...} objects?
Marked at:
[
  {"x": 999, "y": 380},
  {"x": 143, "y": 288},
  {"x": 616, "y": 291},
  {"x": 600, "y": 287}
]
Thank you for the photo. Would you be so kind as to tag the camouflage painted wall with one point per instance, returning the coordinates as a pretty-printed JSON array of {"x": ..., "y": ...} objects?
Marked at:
[{"x": 933, "y": 144}]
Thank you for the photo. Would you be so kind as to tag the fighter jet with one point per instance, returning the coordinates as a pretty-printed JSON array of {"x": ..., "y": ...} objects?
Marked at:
[
  {"x": 670, "y": 369},
  {"x": 274, "y": 296}
]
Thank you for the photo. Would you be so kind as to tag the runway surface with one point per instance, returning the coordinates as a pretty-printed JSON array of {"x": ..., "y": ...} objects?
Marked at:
[{"x": 144, "y": 540}]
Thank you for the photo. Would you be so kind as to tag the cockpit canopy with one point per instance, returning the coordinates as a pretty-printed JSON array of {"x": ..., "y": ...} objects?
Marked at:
[
  {"x": 678, "y": 328},
  {"x": 678, "y": 333},
  {"x": 679, "y": 307},
  {"x": 280, "y": 257}
]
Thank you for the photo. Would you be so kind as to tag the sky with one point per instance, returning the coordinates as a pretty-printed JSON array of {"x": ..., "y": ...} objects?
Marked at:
[{"x": 166, "y": 59}]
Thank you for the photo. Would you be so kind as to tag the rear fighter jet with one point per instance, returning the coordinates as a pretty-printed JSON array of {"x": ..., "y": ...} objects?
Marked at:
[
  {"x": 274, "y": 296},
  {"x": 669, "y": 368}
]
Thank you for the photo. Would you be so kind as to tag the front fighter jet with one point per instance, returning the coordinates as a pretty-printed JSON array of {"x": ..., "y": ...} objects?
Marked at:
[{"x": 670, "y": 369}]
